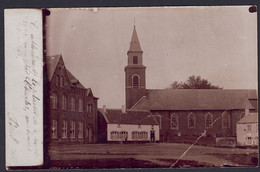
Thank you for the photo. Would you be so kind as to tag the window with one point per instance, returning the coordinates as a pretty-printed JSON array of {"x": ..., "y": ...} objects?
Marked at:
[
  {"x": 143, "y": 135},
  {"x": 57, "y": 80},
  {"x": 72, "y": 129},
  {"x": 61, "y": 81},
  {"x": 72, "y": 101},
  {"x": 135, "y": 81},
  {"x": 53, "y": 129},
  {"x": 174, "y": 121},
  {"x": 191, "y": 120},
  {"x": 114, "y": 135},
  {"x": 225, "y": 120},
  {"x": 135, "y": 60},
  {"x": 242, "y": 115},
  {"x": 53, "y": 101},
  {"x": 80, "y": 135},
  {"x": 89, "y": 108},
  {"x": 64, "y": 102},
  {"x": 80, "y": 105},
  {"x": 208, "y": 120},
  {"x": 64, "y": 129}
]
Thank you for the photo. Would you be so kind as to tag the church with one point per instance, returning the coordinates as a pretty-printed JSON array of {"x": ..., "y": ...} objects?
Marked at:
[{"x": 184, "y": 114}]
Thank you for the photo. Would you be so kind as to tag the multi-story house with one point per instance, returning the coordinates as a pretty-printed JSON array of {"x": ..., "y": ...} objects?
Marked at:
[{"x": 72, "y": 108}]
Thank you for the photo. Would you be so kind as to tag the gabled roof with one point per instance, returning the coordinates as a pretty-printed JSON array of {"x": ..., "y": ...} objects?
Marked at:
[
  {"x": 51, "y": 63},
  {"x": 250, "y": 118},
  {"x": 135, "y": 44},
  {"x": 137, "y": 117},
  {"x": 74, "y": 81},
  {"x": 195, "y": 99},
  {"x": 89, "y": 93}
]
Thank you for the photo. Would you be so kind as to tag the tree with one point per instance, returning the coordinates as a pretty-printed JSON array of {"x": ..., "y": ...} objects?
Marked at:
[{"x": 194, "y": 82}]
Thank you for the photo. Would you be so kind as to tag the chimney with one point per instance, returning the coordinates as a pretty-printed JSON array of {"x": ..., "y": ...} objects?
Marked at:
[
  {"x": 123, "y": 109},
  {"x": 105, "y": 108}
]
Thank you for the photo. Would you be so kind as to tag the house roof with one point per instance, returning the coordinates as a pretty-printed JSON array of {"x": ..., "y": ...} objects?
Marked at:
[
  {"x": 51, "y": 64},
  {"x": 137, "y": 117},
  {"x": 250, "y": 118},
  {"x": 74, "y": 81},
  {"x": 135, "y": 44},
  {"x": 195, "y": 99}
]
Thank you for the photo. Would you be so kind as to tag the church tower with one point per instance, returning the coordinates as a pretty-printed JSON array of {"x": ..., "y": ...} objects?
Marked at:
[{"x": 134, "y": 73}]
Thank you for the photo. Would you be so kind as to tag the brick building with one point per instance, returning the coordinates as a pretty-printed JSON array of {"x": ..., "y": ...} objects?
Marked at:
[
  {"x": 184, "y": 114},
  {"x": 72, "y": 112}
]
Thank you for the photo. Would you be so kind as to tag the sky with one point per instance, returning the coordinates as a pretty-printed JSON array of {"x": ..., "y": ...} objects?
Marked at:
[{"x": 216, "y": 43}]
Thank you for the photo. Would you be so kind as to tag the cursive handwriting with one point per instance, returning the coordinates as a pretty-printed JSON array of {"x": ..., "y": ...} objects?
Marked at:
[
  {"x": 13, "y": 125},
  {"x": 28, "y": 51}
]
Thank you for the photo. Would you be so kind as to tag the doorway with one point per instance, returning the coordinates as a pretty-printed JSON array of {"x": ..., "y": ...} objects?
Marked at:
[
  {"x": 89, "y": 135},
  {"x": 152, "y": 136}
]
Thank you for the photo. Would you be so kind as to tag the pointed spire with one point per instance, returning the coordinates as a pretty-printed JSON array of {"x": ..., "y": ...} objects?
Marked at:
[{"x": 135, "y": 44}]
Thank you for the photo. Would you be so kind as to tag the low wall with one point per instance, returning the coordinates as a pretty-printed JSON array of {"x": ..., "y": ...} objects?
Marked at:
[
  {"x": 226, "y": 142},
  {"x": 206, "y": 141}
]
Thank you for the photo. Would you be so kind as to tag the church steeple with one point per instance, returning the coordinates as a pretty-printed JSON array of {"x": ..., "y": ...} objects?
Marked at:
[
  {"x": 134, "y": 72},
  {"x": 134, "y": 44}
]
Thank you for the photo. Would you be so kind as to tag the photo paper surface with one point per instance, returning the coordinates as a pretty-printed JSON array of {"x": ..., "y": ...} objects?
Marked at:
[{"x": 148, "y": 87}]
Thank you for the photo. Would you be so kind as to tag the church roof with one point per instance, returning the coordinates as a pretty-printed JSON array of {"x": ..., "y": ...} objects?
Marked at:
[
  {"x": 250, "y": 118},
  {"x": 196, "y": 99},
  {"x": 136, "y": 117},
  {"x": 51, "y": 64},
  {"x": 135, "y": 44}
]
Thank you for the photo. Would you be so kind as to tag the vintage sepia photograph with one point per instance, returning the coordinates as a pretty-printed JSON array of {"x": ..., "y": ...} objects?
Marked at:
[
  {"x": 146, "y": 87},
  {"x": 152, "y": 87}
]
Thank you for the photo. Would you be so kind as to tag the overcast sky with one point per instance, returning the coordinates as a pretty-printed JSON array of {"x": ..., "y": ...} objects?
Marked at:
[{"x": 217, "y": 43}]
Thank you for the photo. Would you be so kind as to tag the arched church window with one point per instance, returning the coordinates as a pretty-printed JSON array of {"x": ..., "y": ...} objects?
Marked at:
[
  {"x": 208, "y": 120},
  {"x": 225, "y": 120},
  {"x": 135, "y": 81},
  {"x": 174, "y": 121},
  {"x": 191, "y": 120}
]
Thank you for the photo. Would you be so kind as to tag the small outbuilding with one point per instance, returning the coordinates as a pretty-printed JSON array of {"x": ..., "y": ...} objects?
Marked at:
[
  {"x": 127, "y": 126},
  {"x": 247, "y": 130}
]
